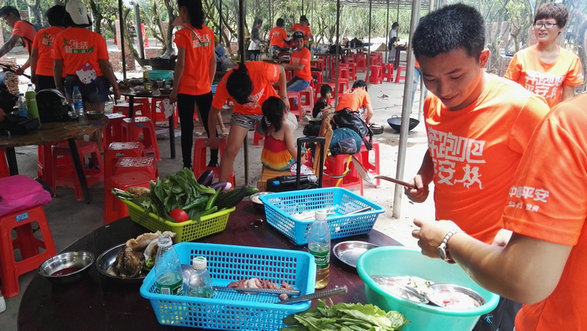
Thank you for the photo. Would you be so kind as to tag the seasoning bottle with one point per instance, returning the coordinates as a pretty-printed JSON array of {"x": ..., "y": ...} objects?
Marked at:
[
  {"x": 200, "y": 283},
  {"x": 168, "y": 276},
  {"x": 146, "y": 80},
  {"x": 31, "y": 102},
  {"x": 319, "y": 246}
]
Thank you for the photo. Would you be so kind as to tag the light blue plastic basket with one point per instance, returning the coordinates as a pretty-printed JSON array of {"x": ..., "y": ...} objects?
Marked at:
[
  {"x": 231, "y": 310},
  {"x": 280, "y": 208}
]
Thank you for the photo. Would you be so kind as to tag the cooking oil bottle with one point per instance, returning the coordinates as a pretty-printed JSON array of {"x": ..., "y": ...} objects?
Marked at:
[{"x": 319, "y": 246}]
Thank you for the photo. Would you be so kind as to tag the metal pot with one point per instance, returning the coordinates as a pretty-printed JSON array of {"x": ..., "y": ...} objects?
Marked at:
[{"x": 396, "y": 123}]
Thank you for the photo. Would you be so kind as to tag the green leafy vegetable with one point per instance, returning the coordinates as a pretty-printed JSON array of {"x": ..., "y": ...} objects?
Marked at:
[{"x": 345, "y": 317}]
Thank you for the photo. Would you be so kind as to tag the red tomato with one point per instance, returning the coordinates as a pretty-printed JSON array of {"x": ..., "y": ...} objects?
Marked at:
[{"x": 179, "y": 215}]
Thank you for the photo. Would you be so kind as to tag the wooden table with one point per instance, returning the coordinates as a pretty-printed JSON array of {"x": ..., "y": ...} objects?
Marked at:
[
  {"x": 131, "y": 113},
  {"x": 94, "y": 303},
  {"x": 53, "y": 133}
]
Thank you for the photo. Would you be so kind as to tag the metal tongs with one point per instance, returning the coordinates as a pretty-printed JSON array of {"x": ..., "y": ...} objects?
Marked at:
[
  {"x": 322, "y": 294},
  {"x": 258, "y": 290}
]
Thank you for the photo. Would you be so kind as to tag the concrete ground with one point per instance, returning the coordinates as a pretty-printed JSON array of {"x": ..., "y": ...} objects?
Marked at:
[{"x": 70, "y": 219}]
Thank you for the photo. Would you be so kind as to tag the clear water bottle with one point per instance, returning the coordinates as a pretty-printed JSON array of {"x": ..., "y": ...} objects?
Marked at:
[
  {"x": 319, "y": 246},
  {"x": 168, "y": 275},
  {"x": 31, "y": 101},
  {"x": 78, "y": 102},
  {"x": 200, "y": 283},
  {"x": 23, "y": 110}
]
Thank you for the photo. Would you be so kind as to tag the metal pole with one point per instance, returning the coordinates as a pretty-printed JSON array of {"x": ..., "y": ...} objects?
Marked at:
[
  {"x": 121, "y": 39},
  {"x": 241, "y": 51},
  {"x": 367, "y": 70},
  {"x": 139, "y": 31},
  {"x": 387, "y": 31},
  {"x": 336, "y": 91},
  {"x": 406, "y": 110},
  {"x": 220, "y": 21}
]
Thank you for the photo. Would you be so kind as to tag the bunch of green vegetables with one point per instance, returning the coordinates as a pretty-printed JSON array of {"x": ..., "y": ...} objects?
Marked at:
[{"x": 345, "y": 317}]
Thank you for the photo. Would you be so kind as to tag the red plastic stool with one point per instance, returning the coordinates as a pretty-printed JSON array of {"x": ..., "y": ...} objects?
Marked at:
[
  {"x": 122, "y": 108},
  {"x": 376, "y": 76},
  {"x": 400, "y": 74},
  {"x": 388, "y": 71},
  {"x": 307, "y": 100},
  {"x": 113, "y": 130},
  {"x": 141, "y": 129},
  {"x": 336, "y": 166},
  {"x": 26, "y": 243},
  {"x": 117, "y": 150},
  {"x": 365, "y": 159},
  {"x": 128, "y": 164},
  {"x": 4, "y": 171},
  {"x": 63, "y": 171},
  {"x": 158, "y": 112},
  {"x": 361, "y": 62},
  {"x": 343, "y": 71},
  {"x": 352, "y": 70},
  {"x": 295, "y": 104},
  {"x": 317, "y": 79},
  {"x": 114, "y": 208},
  {"x": 200, "y": 161}
]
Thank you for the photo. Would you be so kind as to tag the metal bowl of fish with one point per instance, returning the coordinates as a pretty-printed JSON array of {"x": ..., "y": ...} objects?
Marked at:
[
  {"x": 348, "y": 252},
  {"x": 66, "y": 267},
  {"x": 105, "y": 265},
  {"x": 454, "y": 297}
]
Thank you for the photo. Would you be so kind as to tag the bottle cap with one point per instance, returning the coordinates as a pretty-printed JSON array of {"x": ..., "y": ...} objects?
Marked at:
[
  {"x": 320, "y": 215},
  {"x": 199, "y": 263}
]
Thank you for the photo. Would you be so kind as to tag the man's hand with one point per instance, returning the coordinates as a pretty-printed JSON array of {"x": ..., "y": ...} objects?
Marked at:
[
  {"x": 431, "y": 233},
  {"x": 420, "y": 193},
  {"x": 19, "y": 71},
  {"x": 173, "y": 96}
]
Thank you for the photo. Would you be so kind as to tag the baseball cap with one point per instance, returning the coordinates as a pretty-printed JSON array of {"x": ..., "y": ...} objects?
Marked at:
[
  {"x": 78, "y": 12},
  {"x": 298, "y": 34}
]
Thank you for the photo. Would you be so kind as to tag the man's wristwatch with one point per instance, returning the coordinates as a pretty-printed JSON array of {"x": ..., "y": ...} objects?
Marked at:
[{"x": 443, "y": 247}]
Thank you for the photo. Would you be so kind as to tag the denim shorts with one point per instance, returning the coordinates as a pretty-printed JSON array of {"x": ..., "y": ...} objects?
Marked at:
[
  {"x": 95, "y": 92},
  {"x": 246, "y": 121}
]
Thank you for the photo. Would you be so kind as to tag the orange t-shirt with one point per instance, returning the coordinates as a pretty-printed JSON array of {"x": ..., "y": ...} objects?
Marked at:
[
  {"x": 277, "y": 36},
  {"x": 78, "y": 48},
  {"x": 303, "y": 29},
  {"x": 199, "y": 52},
  {"x": 44, "y": 44},
  {"x": 545, "y": 79},
  {"x": 26, "y": 31},
  {"x": 548, "y": 201},
  {"x": 302, "y": 56},
  {"x": 263, "y": 76},
  {"x": 354, "y": 100},
  {"x": 476, "y": 150}
]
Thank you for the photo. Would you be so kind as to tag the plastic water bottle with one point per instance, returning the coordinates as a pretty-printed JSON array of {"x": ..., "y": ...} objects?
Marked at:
[
  {"x": 319, "y": 246},
  {"x": 168, "y": 276},
  {"x": 200, "y": 283},
  {"x": 78, "y": 102},
  {"x": 31, "y": 101},
  {"x": 23, "y": 110}
]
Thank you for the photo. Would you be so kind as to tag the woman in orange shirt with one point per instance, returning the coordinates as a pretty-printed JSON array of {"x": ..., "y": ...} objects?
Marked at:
[
  {"x": 41, "y": 59},
  {"x": 194, "y": 72},
  {"x": 547, "y": 69}
]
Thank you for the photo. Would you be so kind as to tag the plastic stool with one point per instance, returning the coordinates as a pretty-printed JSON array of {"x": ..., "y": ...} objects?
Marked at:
[
  {"x": 361, "y": 62},
  {"x": 317, "y": 79},
  {"x": 63, "y": 171},
  {"x": 114, "y": 208},
  {"x": 130, "y": 164},
  {"x": 4, "y": 171},
  {"x": 399, "y": 76},
  {"x": 26, "y": 243},
  {"x": 365, "y": 160},
  {"x": 352, "y": 70},
  {"x": 141, "y": 129},
  {"x": 336, "y": 166},
  {"x": 117, "y": 150},
  {"x": 113, "y": 130},
  {"x": 200, "y": 161},
  {"x": 376, "y": 74},
  {"x": 122, "y": 108},
  {"x": 295, "y": 104},
  {"x": 388, "y": 71},
  {"x": 158, "y": 113},
  {"x": 307, "y": 100}
]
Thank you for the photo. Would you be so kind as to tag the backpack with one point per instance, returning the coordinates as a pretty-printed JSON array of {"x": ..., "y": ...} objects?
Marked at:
[
  {"x": 53, "y": 106},
  {"x": 345, "y": 141},
  {"x": 346, "y": 118}
]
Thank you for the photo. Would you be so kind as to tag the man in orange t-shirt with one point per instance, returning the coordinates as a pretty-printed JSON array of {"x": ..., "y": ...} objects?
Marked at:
[
  {"x": 356, "y": 99},
  {"x": 41, "y": 59},
  {"x": 543, "y": 264},
  {"x": 478, "y": 126},
  {"x": 21, "y": 30},
  {"x": 247, "y": 87},
  {"x": 277, "y": 36},
  {"x": 303, "y": 27},
  {"x": 300, "y": 63}
]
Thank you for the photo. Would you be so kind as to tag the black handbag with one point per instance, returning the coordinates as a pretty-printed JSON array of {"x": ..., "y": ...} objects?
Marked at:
[
  {"x": 18, "y": 125},
  {"x": 53, "y": 106},
  {"x": 346, "y": 118}
]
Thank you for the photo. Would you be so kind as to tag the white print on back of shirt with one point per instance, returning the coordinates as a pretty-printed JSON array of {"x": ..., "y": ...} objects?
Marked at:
[
  {"x": 543, "y": 84},
  {"x": 529, "y": 193},
  {"x": 447, "y": 149}
]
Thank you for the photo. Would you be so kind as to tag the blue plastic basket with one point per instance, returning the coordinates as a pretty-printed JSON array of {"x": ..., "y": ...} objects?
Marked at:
[
  {"x": 231, "y": 310},
  {"x": 280, "y": 208}
]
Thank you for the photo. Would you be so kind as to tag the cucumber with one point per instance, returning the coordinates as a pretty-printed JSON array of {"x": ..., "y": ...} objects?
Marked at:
[{"x": 232, "y": 198}]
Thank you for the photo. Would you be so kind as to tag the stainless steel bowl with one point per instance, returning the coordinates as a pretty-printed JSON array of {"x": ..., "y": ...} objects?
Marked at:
[
  {"x": 348, "y": 252},
  {"x": 439, "y": 294},
  {"x": 257, "y": 203},
  {"x": 106, "y": 260},
  {"x": 66, "y": 267}
]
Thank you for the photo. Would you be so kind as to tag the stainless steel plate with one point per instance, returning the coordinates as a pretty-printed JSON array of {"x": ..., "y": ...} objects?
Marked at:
[
  {"x": 106, "y": 260},
  {"x": 449, "y": 295},
  {"x": 348, "y": 252}
]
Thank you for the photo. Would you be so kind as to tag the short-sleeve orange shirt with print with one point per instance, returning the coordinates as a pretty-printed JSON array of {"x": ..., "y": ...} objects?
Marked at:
[
  {"x": 26, "y": 32},
  {"x": 545, "y": 79},
  {"x": 44, "y": 44},
  {"x": 199, "y": 52},
  {"x": 548, "y": 201},
  {"x": 78, "y": 47},
  {"x": 302, "y": 56},
  {"x": 354, "y": 100},
  {"x": 303, "y": 29},
  {"x": 263, "y": 76},
  {"x": 476, "y": 150},
  {"x": 277, "y": 35}
]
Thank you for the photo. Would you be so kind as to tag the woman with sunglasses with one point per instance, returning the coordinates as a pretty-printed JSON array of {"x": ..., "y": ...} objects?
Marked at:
[{"x": 546, "y": 68}]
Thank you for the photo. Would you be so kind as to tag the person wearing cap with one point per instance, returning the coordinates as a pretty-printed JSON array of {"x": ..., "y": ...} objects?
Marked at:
[
  {"x": 278, "y": 37},
  {"x": 21, "y": 30},
  {"x": 303, "y": 27},
  {"x": 81, "y": 56},
  {"x": 41, "y": 60},
  {"x": 300, "y": 63}
]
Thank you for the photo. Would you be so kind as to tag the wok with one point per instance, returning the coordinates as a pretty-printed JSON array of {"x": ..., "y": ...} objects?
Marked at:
[{"x": 396, "y": 123}]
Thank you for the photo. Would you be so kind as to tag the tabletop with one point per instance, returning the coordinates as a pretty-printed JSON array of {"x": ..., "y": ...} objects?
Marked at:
[{"x": 94, "y": 303}]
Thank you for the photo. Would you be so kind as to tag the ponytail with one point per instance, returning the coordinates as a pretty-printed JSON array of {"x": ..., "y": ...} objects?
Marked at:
[{"x": 239, "y": 84}]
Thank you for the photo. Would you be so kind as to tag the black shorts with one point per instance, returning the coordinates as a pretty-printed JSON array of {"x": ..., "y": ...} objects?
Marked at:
[
  {"x": 95, "y": 92},
  {"x": 44, "y": 82}
]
